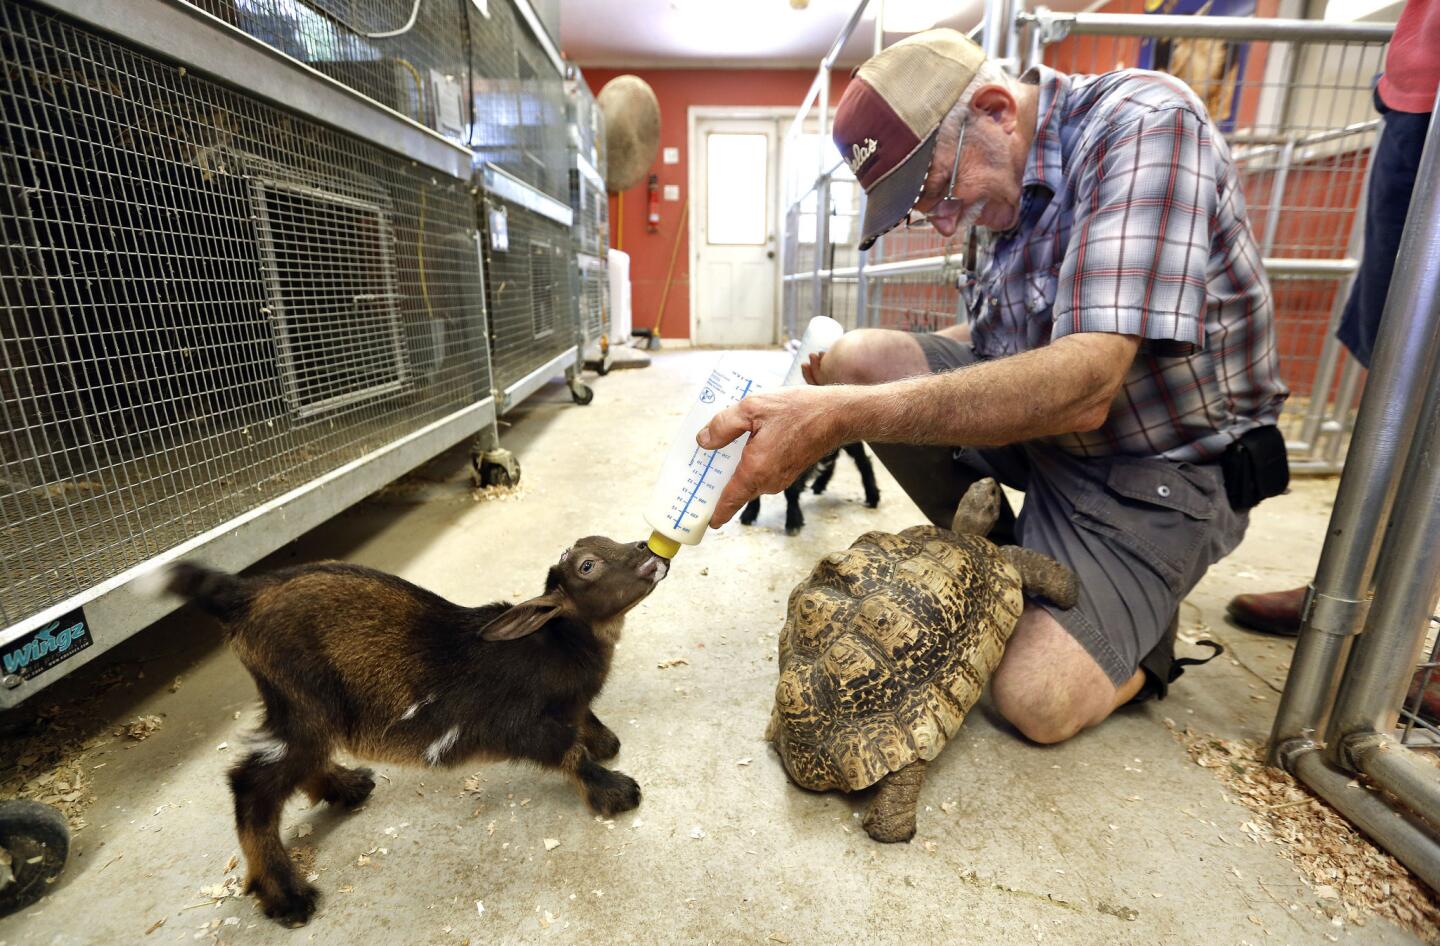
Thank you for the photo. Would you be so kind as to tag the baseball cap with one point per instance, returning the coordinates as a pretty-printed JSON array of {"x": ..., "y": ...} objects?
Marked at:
[{"x": 887, "y": 120}]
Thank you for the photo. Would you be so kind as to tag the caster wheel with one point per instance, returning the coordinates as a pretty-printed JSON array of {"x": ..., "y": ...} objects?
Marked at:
[
  {"x": 34, "y": 845},
  {"x": 497, "y": 468},
  {"x": 582, "y": 394},
  {"x": 604, "y": 367}
]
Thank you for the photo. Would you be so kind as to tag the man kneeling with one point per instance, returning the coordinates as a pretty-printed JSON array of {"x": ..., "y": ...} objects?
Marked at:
[{"x": 1119, "y": 368}]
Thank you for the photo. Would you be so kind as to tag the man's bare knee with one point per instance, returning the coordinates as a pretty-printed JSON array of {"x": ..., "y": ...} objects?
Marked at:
[
  {"x": 1042, "y": 715},
  {"x": 1047, "y": 685},
  {"x": 873, "y": 356}
]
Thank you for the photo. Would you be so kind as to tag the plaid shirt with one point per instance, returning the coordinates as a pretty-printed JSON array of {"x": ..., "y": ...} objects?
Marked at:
[{"x": 1132, "y": 221}]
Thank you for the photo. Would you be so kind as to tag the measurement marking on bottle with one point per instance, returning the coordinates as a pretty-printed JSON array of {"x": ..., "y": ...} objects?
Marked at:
[{"x": 709, "y": 462}]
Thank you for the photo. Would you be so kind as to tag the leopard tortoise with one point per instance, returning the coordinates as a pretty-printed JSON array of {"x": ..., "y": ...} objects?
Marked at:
[{"x": 888, "y": 645}]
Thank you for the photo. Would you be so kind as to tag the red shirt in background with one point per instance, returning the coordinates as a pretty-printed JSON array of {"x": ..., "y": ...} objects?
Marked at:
[{"x": 1412, "y": 66}]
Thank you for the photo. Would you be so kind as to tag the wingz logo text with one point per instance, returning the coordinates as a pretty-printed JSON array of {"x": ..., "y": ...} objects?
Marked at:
[{"x": 51, "y": 640}]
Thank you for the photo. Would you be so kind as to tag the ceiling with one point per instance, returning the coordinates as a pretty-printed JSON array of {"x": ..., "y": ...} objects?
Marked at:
[{"x": 741, "y": 33}]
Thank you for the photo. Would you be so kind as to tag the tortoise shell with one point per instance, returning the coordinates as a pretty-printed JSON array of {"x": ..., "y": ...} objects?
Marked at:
[{"x": 886, "y": 647}]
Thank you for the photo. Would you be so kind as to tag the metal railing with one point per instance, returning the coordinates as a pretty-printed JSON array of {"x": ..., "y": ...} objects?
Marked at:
[
  {"x": 907, "y": 280},
  {"x": 1353, "y": 679}
]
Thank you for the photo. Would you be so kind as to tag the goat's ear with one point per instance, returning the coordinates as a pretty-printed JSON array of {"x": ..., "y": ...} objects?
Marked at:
[{"x": 525, "y": 618}]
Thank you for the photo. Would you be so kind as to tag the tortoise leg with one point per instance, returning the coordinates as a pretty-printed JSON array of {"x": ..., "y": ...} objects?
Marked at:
[
  {"x": 1043, "y": 576},
  {"x": 891, "y": 816}
]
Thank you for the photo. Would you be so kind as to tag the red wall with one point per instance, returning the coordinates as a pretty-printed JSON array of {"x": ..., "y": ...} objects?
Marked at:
[{"x": 678, "y": 90}]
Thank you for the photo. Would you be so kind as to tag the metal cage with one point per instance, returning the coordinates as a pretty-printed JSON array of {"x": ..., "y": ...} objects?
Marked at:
[
  {"x": 224, "y": 322},
  {"x": 408, "y": 56},
  {"x": 591, "y": 205},
  {"x": 529, "y": 287},
  {"x": 519, "y": 99}
]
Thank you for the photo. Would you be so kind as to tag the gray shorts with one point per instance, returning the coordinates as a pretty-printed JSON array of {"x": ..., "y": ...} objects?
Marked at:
[{"x": 1139, "y": 533}]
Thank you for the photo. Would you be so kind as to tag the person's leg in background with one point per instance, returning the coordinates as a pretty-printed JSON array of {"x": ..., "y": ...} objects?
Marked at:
[{"x": 1397, "y": 160}]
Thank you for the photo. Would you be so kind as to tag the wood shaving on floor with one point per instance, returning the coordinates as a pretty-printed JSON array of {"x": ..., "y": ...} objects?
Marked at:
[
  {"x": 47, "y": 761},
  {"x": 1350, "y": 878}
]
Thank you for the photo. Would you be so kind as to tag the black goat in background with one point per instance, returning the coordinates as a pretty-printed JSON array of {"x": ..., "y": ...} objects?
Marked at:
[{"x": 822, "y": 471}]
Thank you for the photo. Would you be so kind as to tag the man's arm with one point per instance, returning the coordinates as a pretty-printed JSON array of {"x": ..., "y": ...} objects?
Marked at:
[{"x": 1062, "y": 388}]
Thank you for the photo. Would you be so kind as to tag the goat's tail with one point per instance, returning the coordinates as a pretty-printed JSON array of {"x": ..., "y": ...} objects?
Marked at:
[{"x": 217, "y": 593}]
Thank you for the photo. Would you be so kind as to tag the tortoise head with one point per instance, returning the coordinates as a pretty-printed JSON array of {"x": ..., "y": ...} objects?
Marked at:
[{"x": 978, "y": 509}]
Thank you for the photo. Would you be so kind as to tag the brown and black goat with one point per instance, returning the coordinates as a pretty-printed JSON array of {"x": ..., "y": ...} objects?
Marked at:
[{"x": 349, "y": 658}]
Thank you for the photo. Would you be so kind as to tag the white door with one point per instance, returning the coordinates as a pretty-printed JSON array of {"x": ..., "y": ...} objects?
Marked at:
[{"x": 735, "y": 262}]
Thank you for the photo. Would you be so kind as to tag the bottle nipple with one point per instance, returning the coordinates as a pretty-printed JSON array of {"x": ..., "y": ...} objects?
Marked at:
[{"x": 663, "y": 546}]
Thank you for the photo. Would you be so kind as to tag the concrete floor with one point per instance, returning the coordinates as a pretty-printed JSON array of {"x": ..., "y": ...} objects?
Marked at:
[{"x": 1104, "y": 839}]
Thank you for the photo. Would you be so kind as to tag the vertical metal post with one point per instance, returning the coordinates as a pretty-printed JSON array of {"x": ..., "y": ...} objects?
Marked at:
[
  {"x": 862, "y": 280},
  {"x": 1407, "y": 580},
  {"x": 1383, "y": 658},
  {"x": 1331, "y": 349},
  {"x": 1339, "y": 423},
  {"x": 1277, "y": 194},
  {"x": 1033, "y": 42},
  {"x": 1405, "y": 355},
  {"x": 822, "y": 197},
  {"x": 997, "y": 26}
]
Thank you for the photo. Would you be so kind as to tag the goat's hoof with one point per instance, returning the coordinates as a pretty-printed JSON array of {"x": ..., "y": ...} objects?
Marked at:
[
  {"x": 793, "y": 530},
  {"x": 287, "y": 900},
  {"x": 747, "y": 520},
  {"x": 352, "y": 788},
  {"x": 872, "y": 503},
  {"x": 618, "y": 793},
  {"x": 602, "y": 746}
]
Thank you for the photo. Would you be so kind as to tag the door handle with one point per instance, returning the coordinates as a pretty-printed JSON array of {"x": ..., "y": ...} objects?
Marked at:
[{"x": 769, "y": 254}]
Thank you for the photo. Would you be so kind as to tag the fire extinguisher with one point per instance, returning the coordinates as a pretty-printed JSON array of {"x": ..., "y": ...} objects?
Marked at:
[{"x": 652, "y": 219}]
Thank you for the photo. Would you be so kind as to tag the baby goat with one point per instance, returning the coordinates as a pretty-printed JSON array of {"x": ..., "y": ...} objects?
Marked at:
[
  {"x": 822, "y": 471},
  {"x": 351, "y": 658}
]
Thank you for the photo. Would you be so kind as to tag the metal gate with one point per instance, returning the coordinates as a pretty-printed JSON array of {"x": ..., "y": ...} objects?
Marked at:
[
  {"x": 1362, "y": 697},
  {"x": 224, "y": 321}
]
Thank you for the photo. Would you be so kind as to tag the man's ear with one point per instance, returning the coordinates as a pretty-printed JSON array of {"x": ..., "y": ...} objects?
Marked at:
[
  {"x": 527, "y": 617},
  {"x": 997, "y": 102}
]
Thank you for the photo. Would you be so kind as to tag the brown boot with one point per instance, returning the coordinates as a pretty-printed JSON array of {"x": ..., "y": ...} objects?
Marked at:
[{"x": 1269, "y": 612}]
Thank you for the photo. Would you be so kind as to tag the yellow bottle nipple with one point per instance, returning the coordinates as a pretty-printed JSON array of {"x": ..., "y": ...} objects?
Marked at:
[{"x": 663, "y": 546}]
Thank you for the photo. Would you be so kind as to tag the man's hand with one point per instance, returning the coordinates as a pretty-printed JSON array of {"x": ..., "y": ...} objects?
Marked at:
[
  {"x": 789, "y": 431},
  {"x": 811, "y": 369}
]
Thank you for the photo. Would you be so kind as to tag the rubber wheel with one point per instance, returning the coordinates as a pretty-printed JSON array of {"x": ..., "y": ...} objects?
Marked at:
[
  {"x": 582, "y": 394},
  {"x": 603, "y": 368},
  {"x": 36, "y": 841},
  {"x": 500, "y": 474}
]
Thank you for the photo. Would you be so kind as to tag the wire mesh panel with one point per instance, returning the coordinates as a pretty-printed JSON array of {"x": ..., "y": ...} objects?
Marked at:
[
  {"x": 519, "y": 101},
  {"x": 409, "y": 55},
  {"x": 923, "y": 301},
  {"x": 529, "y": 291},
  {"x": 591, "y": 205},
  {"x": 917, "y": 301},
  {"x": 1420, "y": 713},
  {"x": 208, "y": 302}
]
